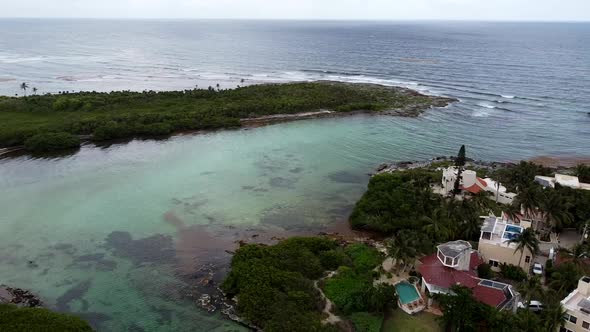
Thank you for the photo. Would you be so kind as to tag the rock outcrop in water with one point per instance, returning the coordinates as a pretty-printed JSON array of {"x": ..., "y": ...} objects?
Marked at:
[{"x": 19, "y": 297}]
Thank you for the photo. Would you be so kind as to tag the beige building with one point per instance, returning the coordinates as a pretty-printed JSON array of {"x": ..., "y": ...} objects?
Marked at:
[
  {"x": 577, "y": 307},
  {"x": 495, "y": 247}
]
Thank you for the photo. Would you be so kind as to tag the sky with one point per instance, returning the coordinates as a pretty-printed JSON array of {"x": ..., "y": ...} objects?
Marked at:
[{"x": 494, "y": 10}]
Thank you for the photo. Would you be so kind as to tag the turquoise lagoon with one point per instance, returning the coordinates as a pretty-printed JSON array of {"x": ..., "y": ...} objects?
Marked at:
[{"x": 119, "y": 234}]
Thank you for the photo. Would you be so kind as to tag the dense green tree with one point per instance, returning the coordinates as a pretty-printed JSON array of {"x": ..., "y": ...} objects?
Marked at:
[
  {"x": 51, "y": 142},
  {"x": 460, "y": 164},
  {"x": 461, "y": 312},
  {"x": 583, "y": 173}
]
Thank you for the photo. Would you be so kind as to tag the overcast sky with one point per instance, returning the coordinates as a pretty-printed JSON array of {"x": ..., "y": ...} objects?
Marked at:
[{"x": 543, "y": 10}]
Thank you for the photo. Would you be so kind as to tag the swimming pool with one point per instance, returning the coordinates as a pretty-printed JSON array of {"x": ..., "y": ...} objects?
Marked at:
[
  {"x": 513, "y": 229},
  {"x": 406, "y": 292}
]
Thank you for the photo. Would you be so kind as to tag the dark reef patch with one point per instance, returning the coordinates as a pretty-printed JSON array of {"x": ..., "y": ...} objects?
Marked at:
[
  {"x": 75, "y": 293},
  {"x": 157, "y": 248},
  {"x": 94, "y": 260},
  {"x": 280, "y": 182},
  {"x": 135, "y": 328},
  {"x": 348, "y": 177},
  {"x": 65, "y": 247},
  {"x": 166, "y": 315},
  {"x": 296, "y": 170}
]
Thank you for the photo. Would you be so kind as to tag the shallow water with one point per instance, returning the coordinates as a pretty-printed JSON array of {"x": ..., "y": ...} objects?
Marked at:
[{"x": 119, "y": 233}]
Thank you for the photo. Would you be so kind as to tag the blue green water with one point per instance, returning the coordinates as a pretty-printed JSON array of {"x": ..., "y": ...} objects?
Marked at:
[
  {"x": 406, "y": 292},
  {"x": 121, "y": 234}
]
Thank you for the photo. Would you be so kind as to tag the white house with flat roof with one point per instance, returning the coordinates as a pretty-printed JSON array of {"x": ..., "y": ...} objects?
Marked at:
[
  {"x": 473, "y": 184},
  {"x": 494, "y": 242},
  {"x": 577, "y": 307},
  {"x": 563, "y": 180}
]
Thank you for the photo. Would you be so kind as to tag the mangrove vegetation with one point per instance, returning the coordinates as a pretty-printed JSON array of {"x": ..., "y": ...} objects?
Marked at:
[{"x": 125, "y": 114}]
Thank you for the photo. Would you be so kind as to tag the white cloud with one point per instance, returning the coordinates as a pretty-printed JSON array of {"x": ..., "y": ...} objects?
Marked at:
[{"x": 305, "y": 9}]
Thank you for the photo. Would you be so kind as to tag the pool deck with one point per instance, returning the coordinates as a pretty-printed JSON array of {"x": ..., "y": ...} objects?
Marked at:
[{"x": 413, "y": 307}]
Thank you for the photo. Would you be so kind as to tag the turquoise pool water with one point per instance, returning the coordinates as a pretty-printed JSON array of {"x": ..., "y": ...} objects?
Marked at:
[{"x": 407, "y": 293}]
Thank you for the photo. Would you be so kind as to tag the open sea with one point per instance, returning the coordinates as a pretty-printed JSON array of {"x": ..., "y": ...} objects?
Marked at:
[{"x": 123, "y": 234}]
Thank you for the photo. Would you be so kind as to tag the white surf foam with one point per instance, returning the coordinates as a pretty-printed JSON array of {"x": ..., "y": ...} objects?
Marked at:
[{"x": 486, "y": 106}]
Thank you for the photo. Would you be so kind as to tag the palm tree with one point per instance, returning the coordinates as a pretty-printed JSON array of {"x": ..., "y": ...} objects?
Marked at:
[
  {"x": 528, "y": 199},
  {"x": 24, "y": 86},
  {"x": 512, "y": 211},
  {"x": 482, "y": 201},
  {"x": 527, "y": 321},
  {"x": 471, "y": 228},
  {"x": 555, "y": 210},
  {"x": 34, "y": 90},
  {"x": 565, "y": 278},
  {"x": 554, "y": 317},
  {"x": 530, "y": 288},
  {"x": 526, "y": 240},
  {"x": 402, "y": 249},
  {"x": 578, "y": 253},
  {"x": 436, "y": 226}
]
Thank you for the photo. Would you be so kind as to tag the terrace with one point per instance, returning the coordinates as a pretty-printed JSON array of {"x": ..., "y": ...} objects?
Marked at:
[
  {"x": 498, "y": 231},
  {"x": 579, "y": 299}
]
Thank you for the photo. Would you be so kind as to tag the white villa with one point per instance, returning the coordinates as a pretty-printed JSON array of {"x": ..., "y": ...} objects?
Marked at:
[
  {"x": 471, "y": 183},
  {"x": 563, "y": 180},
  {"x": 494, "y": 242},
  {"x": 577, "y": 307}
]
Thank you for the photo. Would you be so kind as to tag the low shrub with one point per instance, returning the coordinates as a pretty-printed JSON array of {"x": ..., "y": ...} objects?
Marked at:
[
  {"x": 513, "y": 272},
  {"x": 366, "y": 322},
  {"x": 484, "y": 271},
  {"x": 13, "y": 318}
]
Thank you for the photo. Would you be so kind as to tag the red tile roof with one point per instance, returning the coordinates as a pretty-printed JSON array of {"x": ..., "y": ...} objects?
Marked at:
[
  {"x": 476, "y": 187},
  {"x": 434, "y": 272},
  {"x": 488, "y": 295}
]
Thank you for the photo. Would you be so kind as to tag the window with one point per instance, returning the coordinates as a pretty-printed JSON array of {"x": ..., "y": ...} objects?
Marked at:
[
  {"x": 571, "y": 319},
  {"x": 586, "y": 325},
  {"x": 527, "y": 259},
  {"x": 494, "y": 263},
  {"x": 448, "y": 261}
]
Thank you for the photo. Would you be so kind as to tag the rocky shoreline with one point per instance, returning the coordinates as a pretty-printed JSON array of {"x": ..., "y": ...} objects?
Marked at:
[
  {"x": 19, "y": 297},
  {"x": 402, "y": 165}
]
